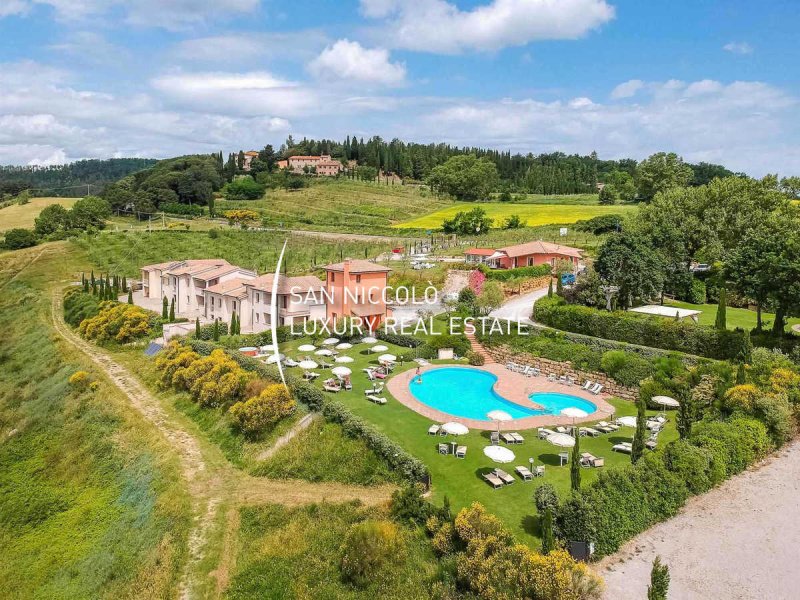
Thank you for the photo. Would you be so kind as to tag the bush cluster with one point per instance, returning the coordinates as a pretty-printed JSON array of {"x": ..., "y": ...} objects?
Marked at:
[
  {"x": 79, "y": 305},
  {"x": 406, "y": 341},
  {"x": 260, "y": 412},
  {"x": 119, "y": 322},
  {"x": 648, "y": 331},
  {"x": 475, "y": 359},
  {"x": 518, "y": 273}
]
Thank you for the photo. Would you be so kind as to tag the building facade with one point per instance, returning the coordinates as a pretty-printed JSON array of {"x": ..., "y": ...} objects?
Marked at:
[
  {"x": 298, "y": 299},
  {"x": 532, "y": 254},
  {"x": 357, "y": 288}
]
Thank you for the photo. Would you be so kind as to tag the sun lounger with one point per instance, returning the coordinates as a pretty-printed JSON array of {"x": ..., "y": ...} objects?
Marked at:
[
  {"x": 603, "y": 428},
  {"x": 570, "y": 381},
  {"x": 289, "y": 362},
  {"x": 376, "y": 399},
  {"x": 348, "y": 385},
  {"x": 331, "y": 387},
  {"x": 508, "y": 438},
  {"x": 494, "y": 438},
  {"x": 433, "y": 429},
  {"x": 444, "y": 448},
  {"x": 591, "y": 431},
  {"x": 493, "y": 480},
  {"x": 587, "y": 385},
  {"x": 562, "y": 429},
  {"x": 310, "y": 375},
  {"x": 587, "y": 459},
  {"x": 370, "y": 374},
  {"x": 511, "y": 366},
  {"x": 504, "y": 477},
  {"x": 375, "y": 389},
  {"x": 543, "y": 432},
  {"x": 518, "y": 439},
  {"x": 551, "y": 377},
  {"x": 596, "y": 389},
  {"x": 651, "y": 444},
  {"x": 524, "y": 472},
  {"x": 325, "y": 365},
  {"x": 611, "y": 426},
  {"x": 461, "y": 452},
  {"x": 625, "y": 447},
  {"x": 539, "y": 471},
  {"x": 562, "y": 380},
  {"x": 599, "y": 462}
]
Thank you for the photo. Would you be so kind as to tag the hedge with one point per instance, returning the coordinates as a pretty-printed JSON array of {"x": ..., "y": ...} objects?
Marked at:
[
  {"x": 396, "y": 457},
  {"x": 398, "y": 339},
  {"x": 526, "y": 272},
  {"x": 658, "y": 332}
]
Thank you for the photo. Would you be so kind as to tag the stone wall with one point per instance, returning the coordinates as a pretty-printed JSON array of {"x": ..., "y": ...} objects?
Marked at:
[
  {"x": 503, "y": 355},
  {"x": 526, "y": 286}
]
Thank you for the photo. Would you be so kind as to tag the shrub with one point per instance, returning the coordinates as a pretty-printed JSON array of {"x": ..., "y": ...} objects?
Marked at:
[
  {"x": 80, "y": 380},
  {"x": 176, "y": 208},
  {"x": 260, "y": 412},
  {"x": 244, "y": 188},
  {"x": 626, "y": 368},
  {"x": 408, "y": 505},
  {"x": 475, "y": 359},
  {"x": 741, "y": 398},
  {"x": 367, "y": 548},
  {"x": 696, "y": 294},
  {"x": 545, "y": 498},
  {"x": 119, "y": 322},
  {"x": 78, "y": 306},
  {"x": 601, "y": 224},
  {"x": 692, "y": 464},
  {"x": 406, "y": 341},
  {"x": 740, "y": 441},
  {"x": 519, "y": 272},
  {"x": 18, "y": 238},
  {"x": 657, "y": 332}
]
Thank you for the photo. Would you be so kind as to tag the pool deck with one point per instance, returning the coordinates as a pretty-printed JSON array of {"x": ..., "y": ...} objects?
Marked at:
[{"x": 512, "y": 386}]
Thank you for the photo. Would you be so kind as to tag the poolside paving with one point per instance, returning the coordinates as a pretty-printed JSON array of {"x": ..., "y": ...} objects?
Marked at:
[{"x": 512, "y": 386}]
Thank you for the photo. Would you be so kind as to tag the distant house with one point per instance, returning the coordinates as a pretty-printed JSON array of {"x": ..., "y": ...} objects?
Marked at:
[
  {"x": 329, "y": 168},
  {"x": 477, "y": 255},
  {"x": 533, "y": 253},
  {"x": 356, "y": 288},
  {"x": 282, "y": 164},
  {"x": 323, "y": 165},
  {"x": 299, "y": 299},
  {"x": 248, "y": 158}
]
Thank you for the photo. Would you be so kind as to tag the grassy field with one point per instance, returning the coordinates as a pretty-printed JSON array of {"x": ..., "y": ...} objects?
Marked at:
[
  {"x": 92, "y": 502},
  {"x": 342, "y": 205},
  {"x": 736, "y": 317},
  {"x": 23, "y": 215},
  {"x": 531, "y": 214}
]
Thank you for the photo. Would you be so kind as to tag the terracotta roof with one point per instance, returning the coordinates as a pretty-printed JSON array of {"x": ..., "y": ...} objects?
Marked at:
[
  {"x": 286, "y": 285},
  {"x": 233, "y": 287},
  {"x": 223, "y": 270},
  {"x": 329, "y": 163},
  {"x": 192, "y": 267},
  {"x": 300, "y": 156},
  {"x": 366, "y": 310},
  {"x": 251, "y": 153},
  {"x": 480, "y": 251},
  {"x": 359, "y": 266},
  {"x": 161, "y": 266},
  {"x": 540, "y": 247}
]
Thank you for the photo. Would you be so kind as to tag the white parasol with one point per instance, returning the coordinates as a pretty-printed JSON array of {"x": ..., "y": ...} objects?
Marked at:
[
  {"x": 330, "y": 341},
  {"x": 344, "y": 346},
  {"x": 561, "y": 439},
  {"x": 307, "y": 348},
  {"x": 307, "y": 364},
  {"x": 387, "y": 358},
  {"x": 454, "y": 428},
  {"x": 324, "y": 352},
  {"x": 499, "y": 416},
  {"x": 627, "y": 421},
  {"x": 369, "y": 340},
  {"x": 379, "y": 348},
  {"x": 499, "y": 454},
  {"x": 665, "y": 401},
  {"x": 575, "y": 413},
  {"x": 273, "y": 358},
  {"x": 341, "y": 371},
  {"x": 344, "y": 359}
]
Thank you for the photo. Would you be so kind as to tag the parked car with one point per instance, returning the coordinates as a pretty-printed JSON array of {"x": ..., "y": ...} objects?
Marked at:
[
  {"x": 701, "y": 268},
  {"x": 567, "y": 278}
]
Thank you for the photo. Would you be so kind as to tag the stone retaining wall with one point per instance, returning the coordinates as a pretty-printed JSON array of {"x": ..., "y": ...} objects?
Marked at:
[
  {"x": 503, "y": 355},
  {"x": 526, "y": 286}
]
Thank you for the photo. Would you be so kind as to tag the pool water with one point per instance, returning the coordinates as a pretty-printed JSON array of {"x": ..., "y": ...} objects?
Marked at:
[{"x": 469, "y": 393}]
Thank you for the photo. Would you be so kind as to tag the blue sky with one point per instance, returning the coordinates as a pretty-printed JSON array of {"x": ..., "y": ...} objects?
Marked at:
[{"x": 714, "y": 81}]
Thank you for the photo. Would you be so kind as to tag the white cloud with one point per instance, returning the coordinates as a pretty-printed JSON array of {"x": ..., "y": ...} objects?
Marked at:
[
  {"x": 351, "y": 61},
  {"x": 237, "y": 48},
  {"x": 171, "y": 15},
  {"x": 738, "y": 48},
  {"x": 627, "y": 89},
  {"x": 440, "y": 26}
]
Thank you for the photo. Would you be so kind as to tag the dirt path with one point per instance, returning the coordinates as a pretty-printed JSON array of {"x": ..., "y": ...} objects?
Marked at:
[
  {"x": 287, "y": 437},
  {"x": 738, "y": 541}
]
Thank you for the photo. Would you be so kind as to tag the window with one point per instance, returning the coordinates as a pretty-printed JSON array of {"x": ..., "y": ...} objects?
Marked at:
[
  {"x": 258, "y": 297},
  {"x": 333, "y": 277},
  {"x": 234, "y": 305},
  {"x": 530, "y": 261},
  {"x": 258, "y": 318},
  {"x": 358, "y": 278}
]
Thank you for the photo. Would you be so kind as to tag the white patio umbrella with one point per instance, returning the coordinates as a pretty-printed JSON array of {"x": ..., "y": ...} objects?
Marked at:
[
  {"x": 627, "y": 421},
  {"x": 341, "y": 371},
  {"x": 307, "y": 364},
  {"x": 499, "y": 416},
  {"x": 499, "y": 454},
  {"x": 324, "y": 352},
  {"x": 575, "y": 413},
  {"x": 268, "y": 348},
  {"x": 454, "y": 428},
  {"x": 307, "y": 348},
  {"x": 344, "y": 359},
  {"x": 369, "y": 340},
  {"x": 379, "y": 348},
  {"x": 330, "y": 341},
  {"x": 344, "y": 346},
  {"x": 561, "y": 439},
  {"x": 273, "y": 358},
  {"x": 387, "y": 358},
  {"x": 665, "y": 401}
]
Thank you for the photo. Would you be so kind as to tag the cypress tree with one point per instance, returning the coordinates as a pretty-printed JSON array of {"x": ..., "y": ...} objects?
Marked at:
[
  {"x": 92, "y": 280},
  {"x": 124, "y": 284},
  {"x": 741, "y": 375},
  {"x": 130, "y": 296},
  {"x": 550, "y": 288},
  {"x": 216, "y": 330},
  {"x": 575, "y": 466},
  {"x": 559, "y": 286},
  {"x": 232, "y": 329},
  {"x": 83, "y": 279},
  {"x": 659, "y": 581},
  {"x": 548, "y": 537},
  {"x": 641, "y": 427},
  {"x": 172, "y": 311},
  {"x": 197, "y": 328},
  {"x": 164, "y": 308},
  {"x": 721, "y": 322}
]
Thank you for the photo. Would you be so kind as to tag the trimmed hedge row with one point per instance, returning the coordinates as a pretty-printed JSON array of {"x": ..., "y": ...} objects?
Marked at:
[
  {"x": 527, "y": 272},
  {"x": 647, "y": 331},
  {"x": 396, "y": 457},
  {"x": 398, "y": 339}
]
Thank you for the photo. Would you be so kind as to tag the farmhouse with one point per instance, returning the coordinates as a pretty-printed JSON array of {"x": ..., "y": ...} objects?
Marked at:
[
  {"x": 248, "y": 158},
  {"x": 323, "y": 165},
  {"x": 299, "y": 299},
  {"x": 357, "y": 288},
  {"x": 530, "y": 254}
]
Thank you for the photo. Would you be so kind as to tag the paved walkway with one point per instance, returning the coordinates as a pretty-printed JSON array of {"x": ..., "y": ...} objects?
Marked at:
[
  {"x": 737, "y": 541},
  {"x": 512, "y": 386},
  {"x": 519, "y": 309}
]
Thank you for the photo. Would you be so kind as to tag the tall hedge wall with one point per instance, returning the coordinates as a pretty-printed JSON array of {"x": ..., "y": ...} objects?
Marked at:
[{"x": 658, "y": 332}]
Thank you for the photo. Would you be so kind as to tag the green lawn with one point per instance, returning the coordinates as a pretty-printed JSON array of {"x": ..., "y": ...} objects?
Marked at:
[
  {"x": 23, "y": 215},
  {"x": 460, "y": 479},
  {"x": 736, "y": 317},
  {"x": 531, "y": 214}
]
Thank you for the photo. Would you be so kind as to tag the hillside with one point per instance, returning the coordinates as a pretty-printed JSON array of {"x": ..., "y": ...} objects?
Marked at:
[{"x": 23, "y": 215}]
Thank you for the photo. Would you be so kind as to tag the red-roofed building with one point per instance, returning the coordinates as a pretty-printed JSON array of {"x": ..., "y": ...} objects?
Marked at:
[
  {"x": 356, "y": 288},
  {"x": 533, "y": 253},
  {"x": 323, "y": 165},
  {"x": 477, "y": 255},
  {"x": 248, "y": 158}
]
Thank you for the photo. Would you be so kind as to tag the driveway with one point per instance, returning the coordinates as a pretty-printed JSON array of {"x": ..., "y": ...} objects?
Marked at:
[{"x": 519, "y": 309}]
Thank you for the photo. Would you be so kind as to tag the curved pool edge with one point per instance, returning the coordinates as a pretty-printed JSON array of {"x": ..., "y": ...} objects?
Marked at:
[{"x": 511, "y": 386}]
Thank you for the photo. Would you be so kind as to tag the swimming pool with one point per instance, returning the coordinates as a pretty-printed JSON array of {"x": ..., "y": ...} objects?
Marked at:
[{"x": 469, "y": 393}]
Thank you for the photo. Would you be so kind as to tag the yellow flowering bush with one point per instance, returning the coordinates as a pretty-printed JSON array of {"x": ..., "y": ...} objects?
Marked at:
[
  {"x": 79, "y": 380},
  {"x": 119, "y": 322},
  {"x": 367, "y": 548},
  {"x": 259, "y": 412},
  {"x": 742, "y": 397},
  {"x": 241, "y": 216}
]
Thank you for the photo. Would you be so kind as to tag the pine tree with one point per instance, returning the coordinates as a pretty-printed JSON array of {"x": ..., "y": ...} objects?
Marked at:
[
  {"x": 641, "y": 427},
  {"x": 164, "y": 308},
  {"x": 548, "y": 537},
  {"x": 721, "y": 322},
  {"x": 197, "y": 328},
  {"x": 550, "y": 288},
  {"x": 659, "y": 581},
  {"x": 172, "y": 311},
  {"x": 130, "y": 296},
  {"x": 575, "y": 466}
]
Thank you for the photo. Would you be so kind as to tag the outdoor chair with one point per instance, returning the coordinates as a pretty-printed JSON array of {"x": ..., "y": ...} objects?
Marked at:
[
  {"x": 651, "y": 444},
  {"x": 590, "y": 431},
  {"x": 375, "y": 389},
  {"x": 376, "y": 399},
  {"x": 493, "y": 480},
  {"x": 461, "y": 452},
  {"x": 540, "y": 471},
  {"x": 587, "y": 385},
  {"x": 587, "y": 459},
  {"x": 596, "y": 389},
  {"x": 624, "y": 447},
  {"x": 504, "y": 477},
  {"x": 524, "y": 472},
  {"x": 508, "y": 438},
  {"x": 518, "y": 439},
  {"x": 599, "y": 461},
  {"x": 495, "y": 438},
  {"x": 444, "y": 448},
  {"x": 433, "y": 429}
]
